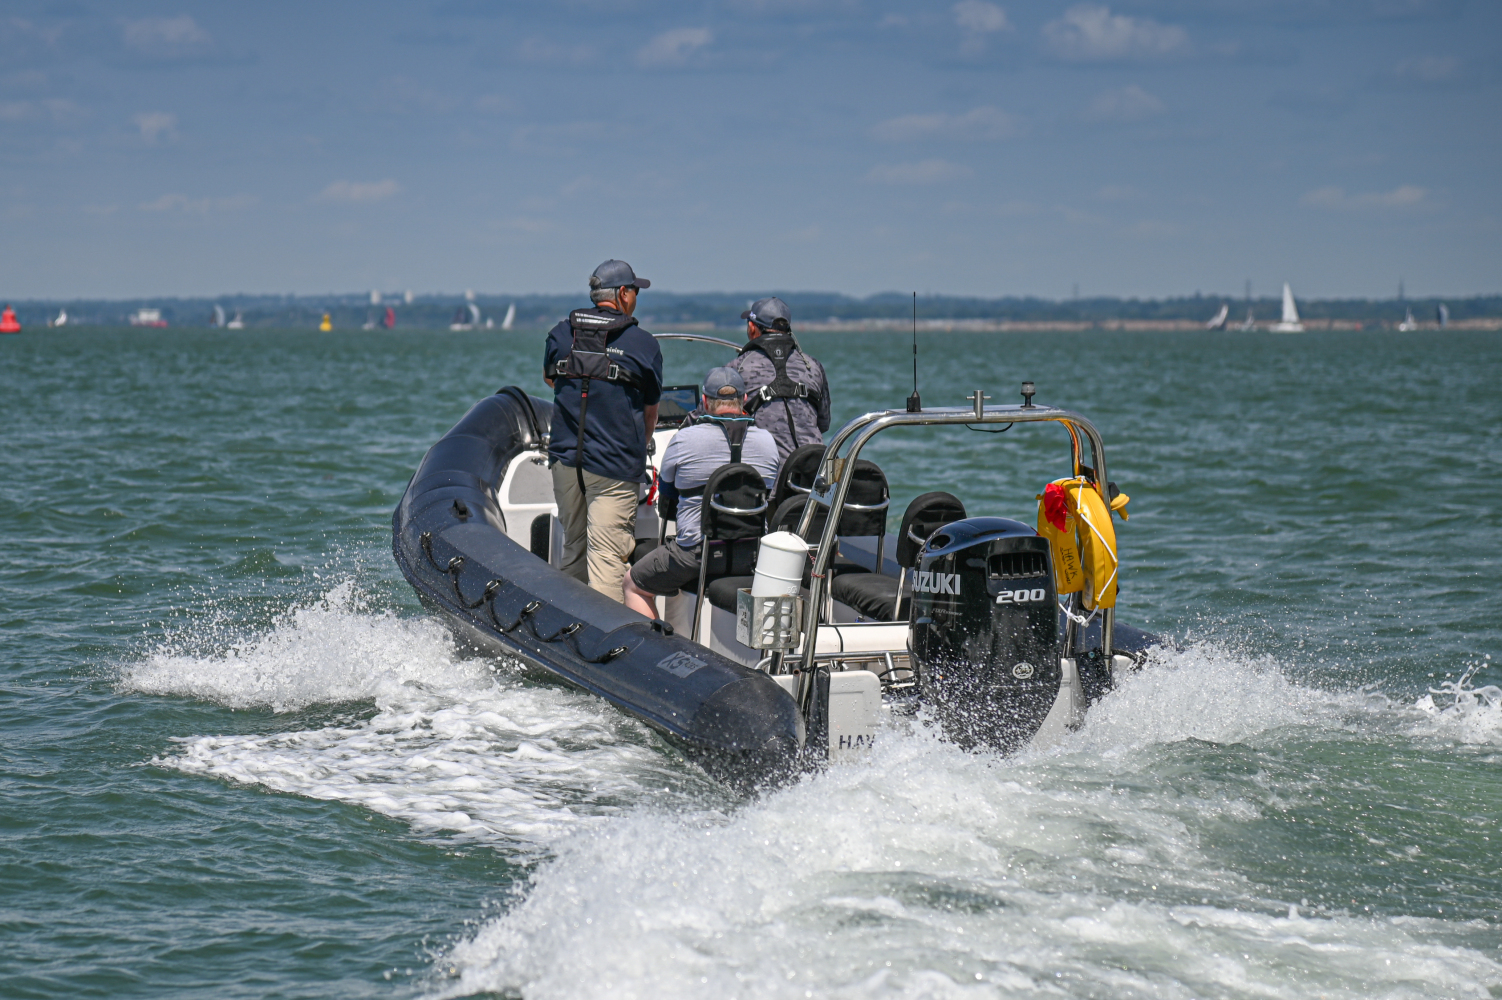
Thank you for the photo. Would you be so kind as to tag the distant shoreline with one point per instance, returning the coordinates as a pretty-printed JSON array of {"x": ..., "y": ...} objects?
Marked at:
[{"x": 719, "y": 312}]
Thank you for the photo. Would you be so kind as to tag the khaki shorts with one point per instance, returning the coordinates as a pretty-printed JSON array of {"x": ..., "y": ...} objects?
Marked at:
[{"x": 667, "y": 569}]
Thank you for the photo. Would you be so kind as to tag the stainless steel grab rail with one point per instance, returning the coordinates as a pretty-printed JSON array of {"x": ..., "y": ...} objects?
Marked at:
[
  {"x": 836, "y": 473},
  {"x": 699, "y": 338}
]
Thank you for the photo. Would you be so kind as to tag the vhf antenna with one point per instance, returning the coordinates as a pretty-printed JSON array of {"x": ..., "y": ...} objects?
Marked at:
[{"x": 914, "y": 404}]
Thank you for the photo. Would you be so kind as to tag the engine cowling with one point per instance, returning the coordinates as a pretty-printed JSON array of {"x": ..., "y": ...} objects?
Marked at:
[{"x": 985, "y": 631}]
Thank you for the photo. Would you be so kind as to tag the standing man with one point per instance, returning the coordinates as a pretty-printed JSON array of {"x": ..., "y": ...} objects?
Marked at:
[
  {"x": 724, "y": 435},
  {"x": 787, "y": 391},
  {"x": 606, "y": 374}
]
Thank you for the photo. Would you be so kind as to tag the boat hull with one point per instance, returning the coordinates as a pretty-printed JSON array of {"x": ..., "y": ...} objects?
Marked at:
[{"x": 449, "y": 539}]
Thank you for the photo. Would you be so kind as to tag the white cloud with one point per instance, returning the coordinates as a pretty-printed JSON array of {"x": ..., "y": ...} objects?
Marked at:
[
  {"x": 1428, "y": 69},
  {"x": 980, "y": 17},
  {"x": 1128, "y": 104},
  {"x": 58, "y": 109},
  {"x": 156, "y": 125},
  {"x": 922, "y": 172},
  {"x": 166, "y": 36},
  {"x": 560, "y": 137},
  {"x": 543, "y": 52},
  {"x": 1090, "y": 32},
  {"x": 1403, "y": 196},
  {"x": 983, "y": 123},
  {"x": 351, "y": 192},
  {"x": 197, "y": 206},
  {"x": 672, "y": 48}
]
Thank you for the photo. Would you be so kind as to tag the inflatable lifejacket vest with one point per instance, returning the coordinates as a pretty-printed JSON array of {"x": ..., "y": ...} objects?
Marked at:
[
  {"x": 735, "y": 429},
  {"x": 1074, "y": 518},
  {"x": 779, "y": 347},
  {"x": 587, "y": 359}
]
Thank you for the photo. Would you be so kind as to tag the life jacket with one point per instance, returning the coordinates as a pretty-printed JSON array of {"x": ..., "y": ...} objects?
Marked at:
[
  {"x": 735, "y": 429},
  {"x": 1074, "y": 518},
  {"x": 587, "y": 359},
  {"x": 779, "y": 347}
]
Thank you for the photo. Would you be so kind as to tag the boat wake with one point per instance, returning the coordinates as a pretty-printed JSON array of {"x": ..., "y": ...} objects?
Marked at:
[
  {"x": 1090, "y": 868},
  {"x": 456, "y": 747}
]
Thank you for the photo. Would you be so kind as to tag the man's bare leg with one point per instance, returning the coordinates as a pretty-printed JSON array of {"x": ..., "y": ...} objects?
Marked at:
[{"x": 641, "y": 601}]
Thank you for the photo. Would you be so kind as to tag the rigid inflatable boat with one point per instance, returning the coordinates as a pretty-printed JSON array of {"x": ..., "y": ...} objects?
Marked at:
[{"x": 1004, "y": 630}]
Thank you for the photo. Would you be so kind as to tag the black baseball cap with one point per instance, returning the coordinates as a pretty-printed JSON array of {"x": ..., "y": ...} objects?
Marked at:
[
  {"x": 616, "y": 274},
  {"x": 766, "y": 312}
]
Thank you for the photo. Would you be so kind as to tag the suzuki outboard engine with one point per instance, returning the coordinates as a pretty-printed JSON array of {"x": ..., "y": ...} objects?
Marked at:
[{"x": 985, "y": 631}]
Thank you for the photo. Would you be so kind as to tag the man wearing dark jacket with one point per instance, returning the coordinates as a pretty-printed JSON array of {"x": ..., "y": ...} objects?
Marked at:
[
  {"x": 787, "y": 391},
  {"x": 606, "y": 374}
]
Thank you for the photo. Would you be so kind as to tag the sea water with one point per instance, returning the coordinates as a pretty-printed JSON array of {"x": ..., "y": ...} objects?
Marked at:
[{"x": 239, "y": 760}]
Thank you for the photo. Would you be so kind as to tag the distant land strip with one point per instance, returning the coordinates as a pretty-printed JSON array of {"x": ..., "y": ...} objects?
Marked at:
[{"x": 720, "y": 311}]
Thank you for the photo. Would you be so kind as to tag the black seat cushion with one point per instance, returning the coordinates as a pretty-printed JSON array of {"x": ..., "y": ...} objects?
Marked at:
[
  {"x": 871, "y": 594},
  {"x": 720, "y": 593}
]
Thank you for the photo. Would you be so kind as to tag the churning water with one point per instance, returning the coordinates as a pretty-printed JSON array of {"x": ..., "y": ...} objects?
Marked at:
[{"x": 239, "y": 760}]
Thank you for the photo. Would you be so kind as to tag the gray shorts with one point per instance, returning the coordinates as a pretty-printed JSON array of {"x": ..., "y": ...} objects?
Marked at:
[{"x": 667, "y": 569}]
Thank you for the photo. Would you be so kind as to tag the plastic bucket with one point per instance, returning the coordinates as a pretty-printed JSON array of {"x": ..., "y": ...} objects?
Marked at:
[{"x": 779, "y": 565}]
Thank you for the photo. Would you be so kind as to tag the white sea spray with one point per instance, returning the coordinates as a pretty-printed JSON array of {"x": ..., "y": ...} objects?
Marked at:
[{"x": 922, "y": 871}]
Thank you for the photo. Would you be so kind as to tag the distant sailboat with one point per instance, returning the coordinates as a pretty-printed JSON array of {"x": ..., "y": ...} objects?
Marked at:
[
  {"x": 218, "y": 321},
  {"x": 1408, "y": 325},
  {"x": 1250, "y": 323},
  {"x": 389, "y": 320},
  {"x": 510, "y": 317},
  {"x": 61, "y": 320},
  {"x": 1290, "y": 321},
  {"x": 466, "y": 318},
  {"x": 238, "y": 323},
  {"x": 1218, "y": 321},
  {"x": 1442, "y": 315}
]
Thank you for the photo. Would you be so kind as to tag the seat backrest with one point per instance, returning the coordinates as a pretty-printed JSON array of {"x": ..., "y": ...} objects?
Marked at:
[
  {"x": 732, "y": 519},
  {"x": 735, "y": 503},
  {"x": 788, "y": 514},
  {"x": 866, "y": 502},
  {"x": 924, "y": 516},
  {"x": 797, "y": 473}
]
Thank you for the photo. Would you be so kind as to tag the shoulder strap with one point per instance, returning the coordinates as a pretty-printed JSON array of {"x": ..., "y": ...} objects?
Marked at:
[
  {"x": 779, "y": 347},
  {"x": 735, "y": 429}
]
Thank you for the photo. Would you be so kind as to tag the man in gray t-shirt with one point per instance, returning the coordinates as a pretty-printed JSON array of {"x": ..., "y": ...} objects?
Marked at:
[{"x": 687, "y": 463}]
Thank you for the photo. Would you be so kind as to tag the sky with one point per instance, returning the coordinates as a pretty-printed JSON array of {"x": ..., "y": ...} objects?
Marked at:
[{"x": 1149, "y": 148}]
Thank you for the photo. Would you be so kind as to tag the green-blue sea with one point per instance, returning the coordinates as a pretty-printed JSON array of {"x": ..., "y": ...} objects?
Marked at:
[{"x": 237, "y": 759}]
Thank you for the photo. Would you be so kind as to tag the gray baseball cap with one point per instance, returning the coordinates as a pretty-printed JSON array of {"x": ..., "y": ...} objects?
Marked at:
[
  {"x": 616, "y": 274},
  {"x": 724, "y": 383},
  {"x": 766, "y": 312}
]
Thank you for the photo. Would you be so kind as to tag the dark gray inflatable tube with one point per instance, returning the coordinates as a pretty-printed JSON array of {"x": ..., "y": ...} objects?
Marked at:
[{"x": 448, "y": 538}]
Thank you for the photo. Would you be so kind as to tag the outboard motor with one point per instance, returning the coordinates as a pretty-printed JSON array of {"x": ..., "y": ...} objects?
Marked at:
[{"x": 985, "y": 631}]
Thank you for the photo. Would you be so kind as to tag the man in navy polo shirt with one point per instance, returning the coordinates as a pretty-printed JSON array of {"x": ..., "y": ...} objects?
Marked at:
[{"x": 606, "y": 374}]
